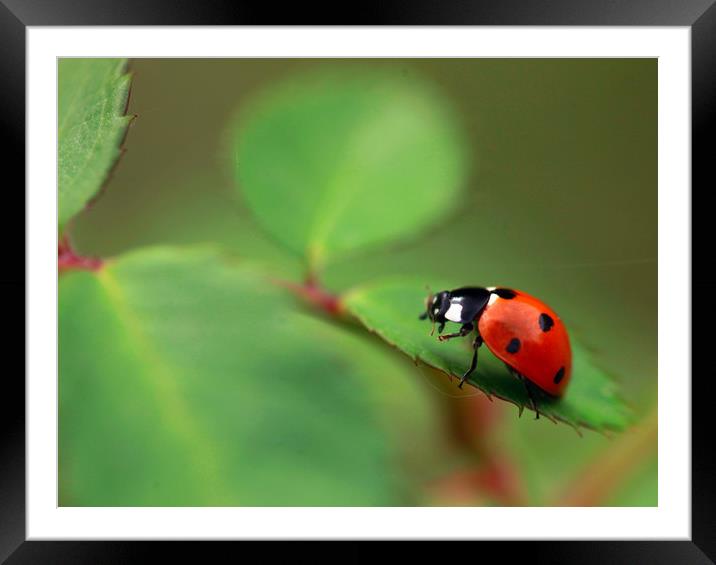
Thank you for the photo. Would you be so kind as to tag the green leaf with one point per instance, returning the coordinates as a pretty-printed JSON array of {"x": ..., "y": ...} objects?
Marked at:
[
  {"x": 187, "y": 381},
  {"x": 91, "y": 125},
  {"x": 391, "y": 309},
  {"x": 334, "y": 162}
]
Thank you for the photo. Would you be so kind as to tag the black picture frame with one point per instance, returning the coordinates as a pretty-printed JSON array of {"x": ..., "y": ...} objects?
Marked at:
[{"x": 699, "y": 15}]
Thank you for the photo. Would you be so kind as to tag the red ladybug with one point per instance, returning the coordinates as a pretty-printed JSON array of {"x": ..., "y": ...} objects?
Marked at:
[{"x": 519, "y": 329}]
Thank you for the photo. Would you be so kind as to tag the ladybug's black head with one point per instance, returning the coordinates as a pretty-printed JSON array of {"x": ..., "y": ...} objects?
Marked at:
[
  {"x": 439, "y": 304},
  {"x": 436, "y": 306}
]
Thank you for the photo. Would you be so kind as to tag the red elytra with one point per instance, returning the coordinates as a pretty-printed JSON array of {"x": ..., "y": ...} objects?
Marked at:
[{"x": 542, "y": 353}]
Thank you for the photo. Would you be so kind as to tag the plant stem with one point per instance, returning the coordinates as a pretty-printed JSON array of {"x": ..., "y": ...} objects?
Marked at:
[
  {"x": 313, "y": 293},
  {"x": 68, "y": 259}
]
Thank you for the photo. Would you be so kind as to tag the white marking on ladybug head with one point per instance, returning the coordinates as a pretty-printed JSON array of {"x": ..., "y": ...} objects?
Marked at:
[
  {"x": 491, "y": 288},
  {"x": 492, "y": 299},
  {"x": 454, "y": 313}
]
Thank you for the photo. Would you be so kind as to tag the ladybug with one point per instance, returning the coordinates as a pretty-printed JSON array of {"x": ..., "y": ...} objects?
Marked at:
[{"x": 519, "y": 329}]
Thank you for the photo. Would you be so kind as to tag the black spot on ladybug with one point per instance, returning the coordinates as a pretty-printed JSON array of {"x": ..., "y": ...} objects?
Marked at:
[
  {"x": 514, "y": 345},
  {"x": 504, "y": 293},
  {"x": 545, "y": 322},
  {"x": 559, "y": 376}
]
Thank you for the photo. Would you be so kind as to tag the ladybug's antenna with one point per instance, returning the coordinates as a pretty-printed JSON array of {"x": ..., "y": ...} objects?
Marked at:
[
  {"x": 428, "y": 302},
  {"x": 429, "y": 299}
]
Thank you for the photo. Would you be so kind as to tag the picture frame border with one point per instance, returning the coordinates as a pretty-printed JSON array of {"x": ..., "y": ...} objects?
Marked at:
[{"x": 699, "y": 15}]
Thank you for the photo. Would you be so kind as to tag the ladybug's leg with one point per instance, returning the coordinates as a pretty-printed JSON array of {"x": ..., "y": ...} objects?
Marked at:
[
  {"x": 464, "y": 330},
  {"x": 475, "y": 345},
  {"x": 528, "y": 388}
]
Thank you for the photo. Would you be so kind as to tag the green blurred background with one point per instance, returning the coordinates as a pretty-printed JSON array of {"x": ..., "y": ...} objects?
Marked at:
[{"x": 561, "y": 202}]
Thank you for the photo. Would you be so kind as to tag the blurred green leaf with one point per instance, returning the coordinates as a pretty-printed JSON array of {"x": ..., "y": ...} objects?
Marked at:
[
  {"x": 391, "y": 309},
  {"x": 188, "y": 381},
  {"x": 335, "y": 162},
  {"x": 92, "y": 99}
]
